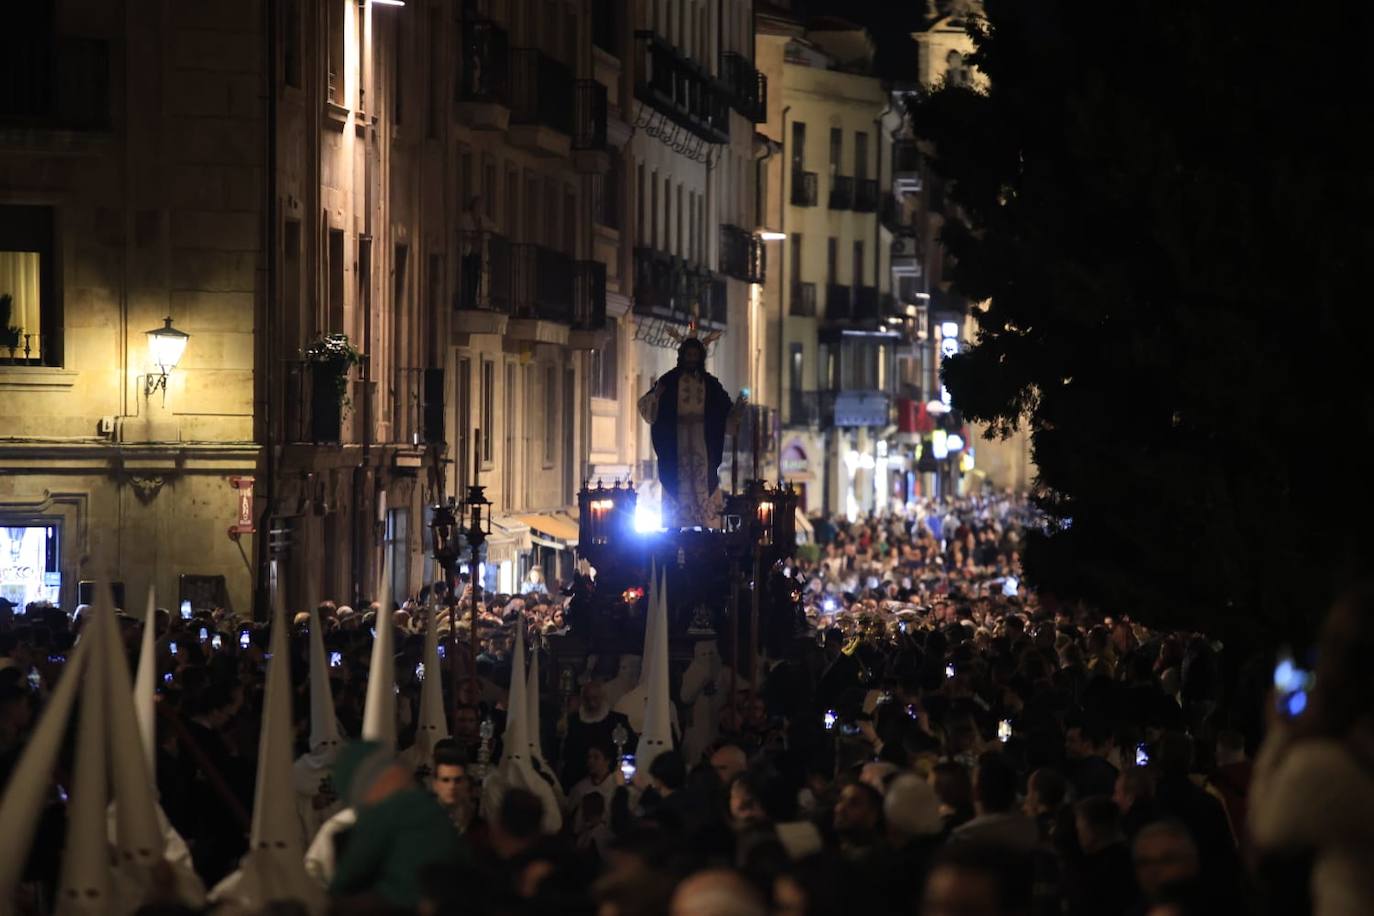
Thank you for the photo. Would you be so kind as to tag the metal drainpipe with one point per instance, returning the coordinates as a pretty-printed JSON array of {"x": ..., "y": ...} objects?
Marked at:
[
  {"x": 267, "y": 347},
  {"x": 782, "y": 281}
]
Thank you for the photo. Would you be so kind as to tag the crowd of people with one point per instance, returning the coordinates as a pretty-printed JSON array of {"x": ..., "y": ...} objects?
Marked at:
[{"x": 938, "y": 739}]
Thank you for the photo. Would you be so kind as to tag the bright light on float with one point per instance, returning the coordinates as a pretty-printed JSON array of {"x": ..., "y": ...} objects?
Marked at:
[{"x": 647, "y": 519}]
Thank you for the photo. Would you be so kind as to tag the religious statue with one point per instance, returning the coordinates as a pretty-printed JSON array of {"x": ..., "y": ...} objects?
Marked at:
[{"x": 688, "y": 411}]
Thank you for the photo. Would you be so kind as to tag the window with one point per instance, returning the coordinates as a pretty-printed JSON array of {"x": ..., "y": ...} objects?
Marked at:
[
  {"x": 604, "y": 365},
  {"x": 667, "y": 215},
  {"x": 465, "y": 196},
  {"x": 534, "y": 204},
  {"x": 677, "y": 228},
  {"x": 512, "y": 203},
  {"x": 436, "y": 90},
  {"x": 489, "y": 187},
  {"x": 398, "y": 71},
  {"x": 484, "y": 432},
  {"x": 640, "y": 200},
  {"x": 551, "y": 400},
  {"x": 291, "y": 55},
  {"x": 291, "y": 286},
  {"x": 400, "y": 264},
  {"x": 653, "y": 212},
  {"x": 860, "y": 156},
  {"x": 335, "y": 318},
  {"x": 795, "y": 240},
  {"x": 832, "y": 256},
  {"x": 608, "y": 196},
  {"x": 508, "y": 419},
  {"x": 857, "y": 271},
  {"x": 798, "y": 146},
  {"x": 336, "y": 50},
  {"x": 836, "y": 150},
  {"x": 569, "y": 223},
  {"x": 27, "y": 277},
  {"x": 397, "y": 547},
  {"x": 464, "y": 422}
]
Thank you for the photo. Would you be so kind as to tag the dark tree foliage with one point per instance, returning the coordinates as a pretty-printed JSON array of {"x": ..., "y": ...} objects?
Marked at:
[{"x": 1168, "y": 205}]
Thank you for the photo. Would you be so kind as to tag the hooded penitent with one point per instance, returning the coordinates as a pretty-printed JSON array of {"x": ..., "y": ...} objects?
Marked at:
[
  {"x": 516, "y": 769},
  {"x": 145, "y": 685},
  {"x": 379, "y": 708},
  {"x": 274, "y": 867},
  {"x": 657, "y": 736},
  {"x": 86, "y": 885},
  {"x": 311, "y": 772},
  {"x": 432, "y": 727}
]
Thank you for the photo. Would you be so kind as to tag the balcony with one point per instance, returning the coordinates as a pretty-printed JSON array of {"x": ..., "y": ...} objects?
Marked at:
[
  {"x": 906, "y": 168},
  {"x": 483, "y": 88},
  {"x": 841, "y": 192},
  {"x": 590, "y": 117},
  {"x": 866, "y": 195},
  {"x": 483, "y": 300},
  {"x": 829, "y": 409},
  {"x": 542, "y": 97},
  {"x": 60, "y": 84},
  {"x": 905, "y": 254},
  {"x": 589, "y": 296},
  {"x": 741, "y": 254},
  {"x": 849, "y": 408},
  {"x": 669, "y": 288},
  {"x": 802, "y": 302},
  {"x": 680, "y": 90},
  {"x": 541, "y": 284},
  {"x": 316, "y": 410},
  {"x": 855, "y": 307},
  {"x": 804, "y": 186},
  {"x": 748, "y": 87},
  {"x": 837, "y": 303}
]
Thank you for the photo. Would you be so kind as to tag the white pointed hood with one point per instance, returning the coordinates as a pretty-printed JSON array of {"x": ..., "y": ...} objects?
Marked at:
[
  {"x": 379, "y": 708},
  {"x": 139, "y": 842},
  {"x": 657, "y": 736},
  {"x": 535, "y": 733},
  {"x": 515, "y": 743},
  {"x": 86, "y": 885},
  {"x": 516, "y": 769},
  {"x": 29, "y": 786},
  {"x": 324, "y": 724},
  {"x": 432, "y": 726},
  {"x": 274, "y": 868},
  {"x": 145, "y": 684}
]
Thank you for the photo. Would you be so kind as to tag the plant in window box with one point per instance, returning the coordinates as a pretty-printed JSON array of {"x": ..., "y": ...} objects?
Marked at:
[
  {"x": 330, "y": 357},
  {"x": 9, "y": 334}
]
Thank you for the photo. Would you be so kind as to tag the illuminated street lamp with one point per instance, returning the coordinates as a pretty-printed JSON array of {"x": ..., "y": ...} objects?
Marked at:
[{"x": 165, "y": 345}]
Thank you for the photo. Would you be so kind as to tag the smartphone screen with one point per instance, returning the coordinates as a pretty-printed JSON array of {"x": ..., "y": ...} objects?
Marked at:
[
  {"x": 335, "y": 659},
  {"x": 205, "y": 634},
  {"x": 829, "y": 719},
  {"x": 1004, "y": 730},
  {"x": 244, "y": 639},
  {"x": 186, "y": 610},
  {"x": 217, "y": 642},
  {"x": 1291, "y": 685},
  {"x": 167, "y": 678},
  {"x": 443, "y": 653},
  {"x": 1142, "y": 755},
  {"x": 172, "y": 647},
  {"x": 420, "y": 671},
  {"x": 627, "y": 767},
  {"x": 949, "y": 670}
]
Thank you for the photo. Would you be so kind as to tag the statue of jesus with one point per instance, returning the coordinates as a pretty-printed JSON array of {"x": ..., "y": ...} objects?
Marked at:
[{"x": 689, "y": 413}]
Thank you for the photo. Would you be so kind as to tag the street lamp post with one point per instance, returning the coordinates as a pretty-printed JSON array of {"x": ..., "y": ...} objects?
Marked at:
[
  {"x": 477, "y": 508},
  {"x": 444, "y": 527}
]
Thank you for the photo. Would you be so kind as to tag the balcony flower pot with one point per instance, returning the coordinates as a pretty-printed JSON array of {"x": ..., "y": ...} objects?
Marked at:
[{"x": 330, "y": 358}]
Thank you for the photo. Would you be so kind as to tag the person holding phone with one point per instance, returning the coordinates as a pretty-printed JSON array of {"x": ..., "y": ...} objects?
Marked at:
[{"x": 1313, "y": 786}]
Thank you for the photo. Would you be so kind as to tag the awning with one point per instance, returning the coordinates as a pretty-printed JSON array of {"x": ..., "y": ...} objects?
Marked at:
[
  {"x": 552, "y": 529},
  {"x": 509, "y": 538}
]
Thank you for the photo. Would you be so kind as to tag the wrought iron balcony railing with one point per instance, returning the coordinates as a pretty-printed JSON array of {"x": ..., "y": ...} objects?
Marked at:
[
  {"x": 589, "y": 116},
  {"x": 741, "y": 254},
  {"x": 483, "y": 63},
  {"x": 803, "y": 300},
  {"x": 680, "y": 89},
  {"x": 541, "y": 283},
  {"x": 865, "y": 195},
  {"x": 484, "y": 272},
  {"x": 804, "y": 192},
  {"x": 747, "y": 86},
  {"x": 841, "y": 192}
]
